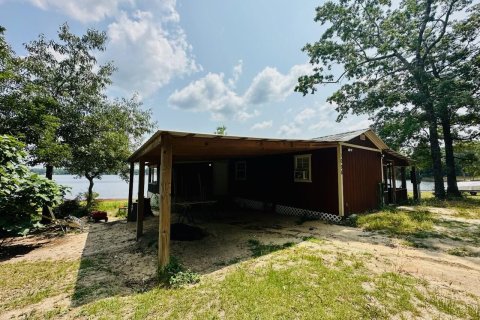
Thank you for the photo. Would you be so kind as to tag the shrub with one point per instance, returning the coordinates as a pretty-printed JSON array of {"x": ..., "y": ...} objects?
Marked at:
[
  {"x": 183, "y": 278},
  {"x": 22, "y": 192},
  {"x": 70, "y": 208}
]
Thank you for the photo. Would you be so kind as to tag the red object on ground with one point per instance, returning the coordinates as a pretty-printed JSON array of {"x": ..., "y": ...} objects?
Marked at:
[{"x": 98, "y": 215}]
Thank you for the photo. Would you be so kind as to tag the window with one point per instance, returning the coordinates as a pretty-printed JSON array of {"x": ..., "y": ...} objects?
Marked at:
[
  {"x": 303, "y": 168},
  {"x": 240, "y": 170}
]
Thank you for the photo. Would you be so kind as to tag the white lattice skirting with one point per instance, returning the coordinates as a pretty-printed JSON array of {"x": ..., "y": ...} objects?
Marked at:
[
  {"x": 249, "y": 204},
  {"x": 289, "y": 211}
]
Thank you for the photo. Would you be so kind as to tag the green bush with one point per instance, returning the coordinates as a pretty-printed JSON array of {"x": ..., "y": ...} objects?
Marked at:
[
  {"x": 70, "y": 208},
  {"x": 22, "y": 192}
]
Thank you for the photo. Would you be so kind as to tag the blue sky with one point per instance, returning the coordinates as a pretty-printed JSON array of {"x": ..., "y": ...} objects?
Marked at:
[{"x": 200, "y": 64}]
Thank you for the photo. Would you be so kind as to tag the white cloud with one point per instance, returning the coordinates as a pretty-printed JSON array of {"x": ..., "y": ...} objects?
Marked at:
[
  {"x": 305, "y": 114},
  {"x": 237, "y": 72},
  {"x": 146, "y": 42},
  {"x": 148, "y": 57},
  {"x": 270, "y": 85},
  {"x": 320, "y": 120},
  {"x": 85, "y": 10},
  {"x": 289, "y": 130},
  {"x": 218, "y": 96},
  {"x": 212, "y": 94},
  {"x": 262, "y": 125},
  {"x": 97, "y": 10}
]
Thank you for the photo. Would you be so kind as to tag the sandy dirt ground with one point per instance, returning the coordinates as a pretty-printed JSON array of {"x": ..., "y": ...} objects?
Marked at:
[{"x": 128, "y": 266}]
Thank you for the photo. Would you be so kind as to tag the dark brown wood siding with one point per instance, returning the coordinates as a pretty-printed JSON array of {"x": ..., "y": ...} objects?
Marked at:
[
  {"x": 362, "y": 174},
  {"x": 270, "y": 179}
]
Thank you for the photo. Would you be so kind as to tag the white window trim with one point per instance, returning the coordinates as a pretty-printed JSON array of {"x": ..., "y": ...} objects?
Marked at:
[
  {"x": 309, "y": 156},
  {"x": 236, "y": 171}
]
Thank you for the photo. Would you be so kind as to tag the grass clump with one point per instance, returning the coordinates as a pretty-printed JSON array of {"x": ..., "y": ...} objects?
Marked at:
[
  {"x": 393, "y": 222},
  {"x": 463, "y": 252},
  {"x": 259, "y": 249},
  {"x": 176, "y": 276}
]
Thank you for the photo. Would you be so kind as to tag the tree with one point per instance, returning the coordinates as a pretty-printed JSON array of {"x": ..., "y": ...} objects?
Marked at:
[
  {"x": 22, "y": 192},
  {"x": 468, "y": 156},
  {"x": 222, "y": 130},
  {"x": 390, "y": 56},
  {"x": 110, "y": 134},
  {"x": 62, "y": 82},
  {"x": 65, "y": 82}
]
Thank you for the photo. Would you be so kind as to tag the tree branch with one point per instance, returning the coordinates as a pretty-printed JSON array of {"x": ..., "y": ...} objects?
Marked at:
[
  {"x": 423, "y": 26},
  {"x": 444, "y": 29}
]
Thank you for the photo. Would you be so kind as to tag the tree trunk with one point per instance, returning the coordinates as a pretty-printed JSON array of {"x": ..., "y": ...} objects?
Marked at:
[
  {"x": 46, "y": 218},
  {"x": 452, "y": 187},
  {"x": 90, "y": 191},
  {"x": 435, "y": 152}
]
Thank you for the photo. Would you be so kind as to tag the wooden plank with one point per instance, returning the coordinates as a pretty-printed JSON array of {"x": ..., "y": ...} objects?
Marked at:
[
  {"x": 340, "y": 181},
  {"x": 359, "y": 147},
  {"x": 165, "y": 201},
  {"x": 141, "y": 196},
  {"x": 130, "y": 189}
]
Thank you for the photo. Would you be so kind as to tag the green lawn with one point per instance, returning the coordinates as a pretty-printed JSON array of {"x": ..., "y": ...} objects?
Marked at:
[{"x": 297, "y": 282}]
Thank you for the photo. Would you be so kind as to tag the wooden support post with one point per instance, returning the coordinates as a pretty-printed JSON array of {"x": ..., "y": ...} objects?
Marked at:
[
  {"x": 341, "y": 208},
  {"x": 394, "y": 184},
  {"x": 158, "y": 180},
  {"x": 413, "y": 178},
  {"x": 165, "y": 201},
  {"x": 141, "y": 199},
  {"x": 404, "y": 177},
  {"x": 130, "y": 189}
]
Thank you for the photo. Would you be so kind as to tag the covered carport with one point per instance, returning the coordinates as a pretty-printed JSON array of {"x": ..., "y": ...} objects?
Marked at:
[{"x": 166, "y": 147}]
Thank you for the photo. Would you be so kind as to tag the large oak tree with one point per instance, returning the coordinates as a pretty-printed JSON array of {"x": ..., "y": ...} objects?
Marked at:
[{"x": 397, "y": 60}]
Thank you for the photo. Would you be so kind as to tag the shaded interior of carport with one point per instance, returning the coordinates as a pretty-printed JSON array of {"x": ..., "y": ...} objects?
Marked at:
[{"x": 166, "y": 147}]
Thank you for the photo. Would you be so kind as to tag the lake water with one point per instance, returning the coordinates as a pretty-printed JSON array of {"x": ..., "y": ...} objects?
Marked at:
[
  {"x": 109, "y": 187},
  {"x": 113, "y": 187}
]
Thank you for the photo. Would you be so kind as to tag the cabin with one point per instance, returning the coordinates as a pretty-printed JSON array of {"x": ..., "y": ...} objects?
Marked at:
[{"x": 329, "y": 177}]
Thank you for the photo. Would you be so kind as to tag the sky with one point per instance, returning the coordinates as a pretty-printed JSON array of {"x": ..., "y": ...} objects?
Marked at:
[{"x": 200, "y": 64}]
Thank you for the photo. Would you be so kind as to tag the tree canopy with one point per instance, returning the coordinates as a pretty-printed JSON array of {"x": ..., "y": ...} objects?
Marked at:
[
  {"x": 407, "y": 65},
  {"x": 55, "y": 101}
]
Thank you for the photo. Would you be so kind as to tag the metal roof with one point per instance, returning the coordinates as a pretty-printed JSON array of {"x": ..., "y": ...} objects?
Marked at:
[
  {"x": 211, "y": 144},
  {"x": 342, "y": 137}
]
